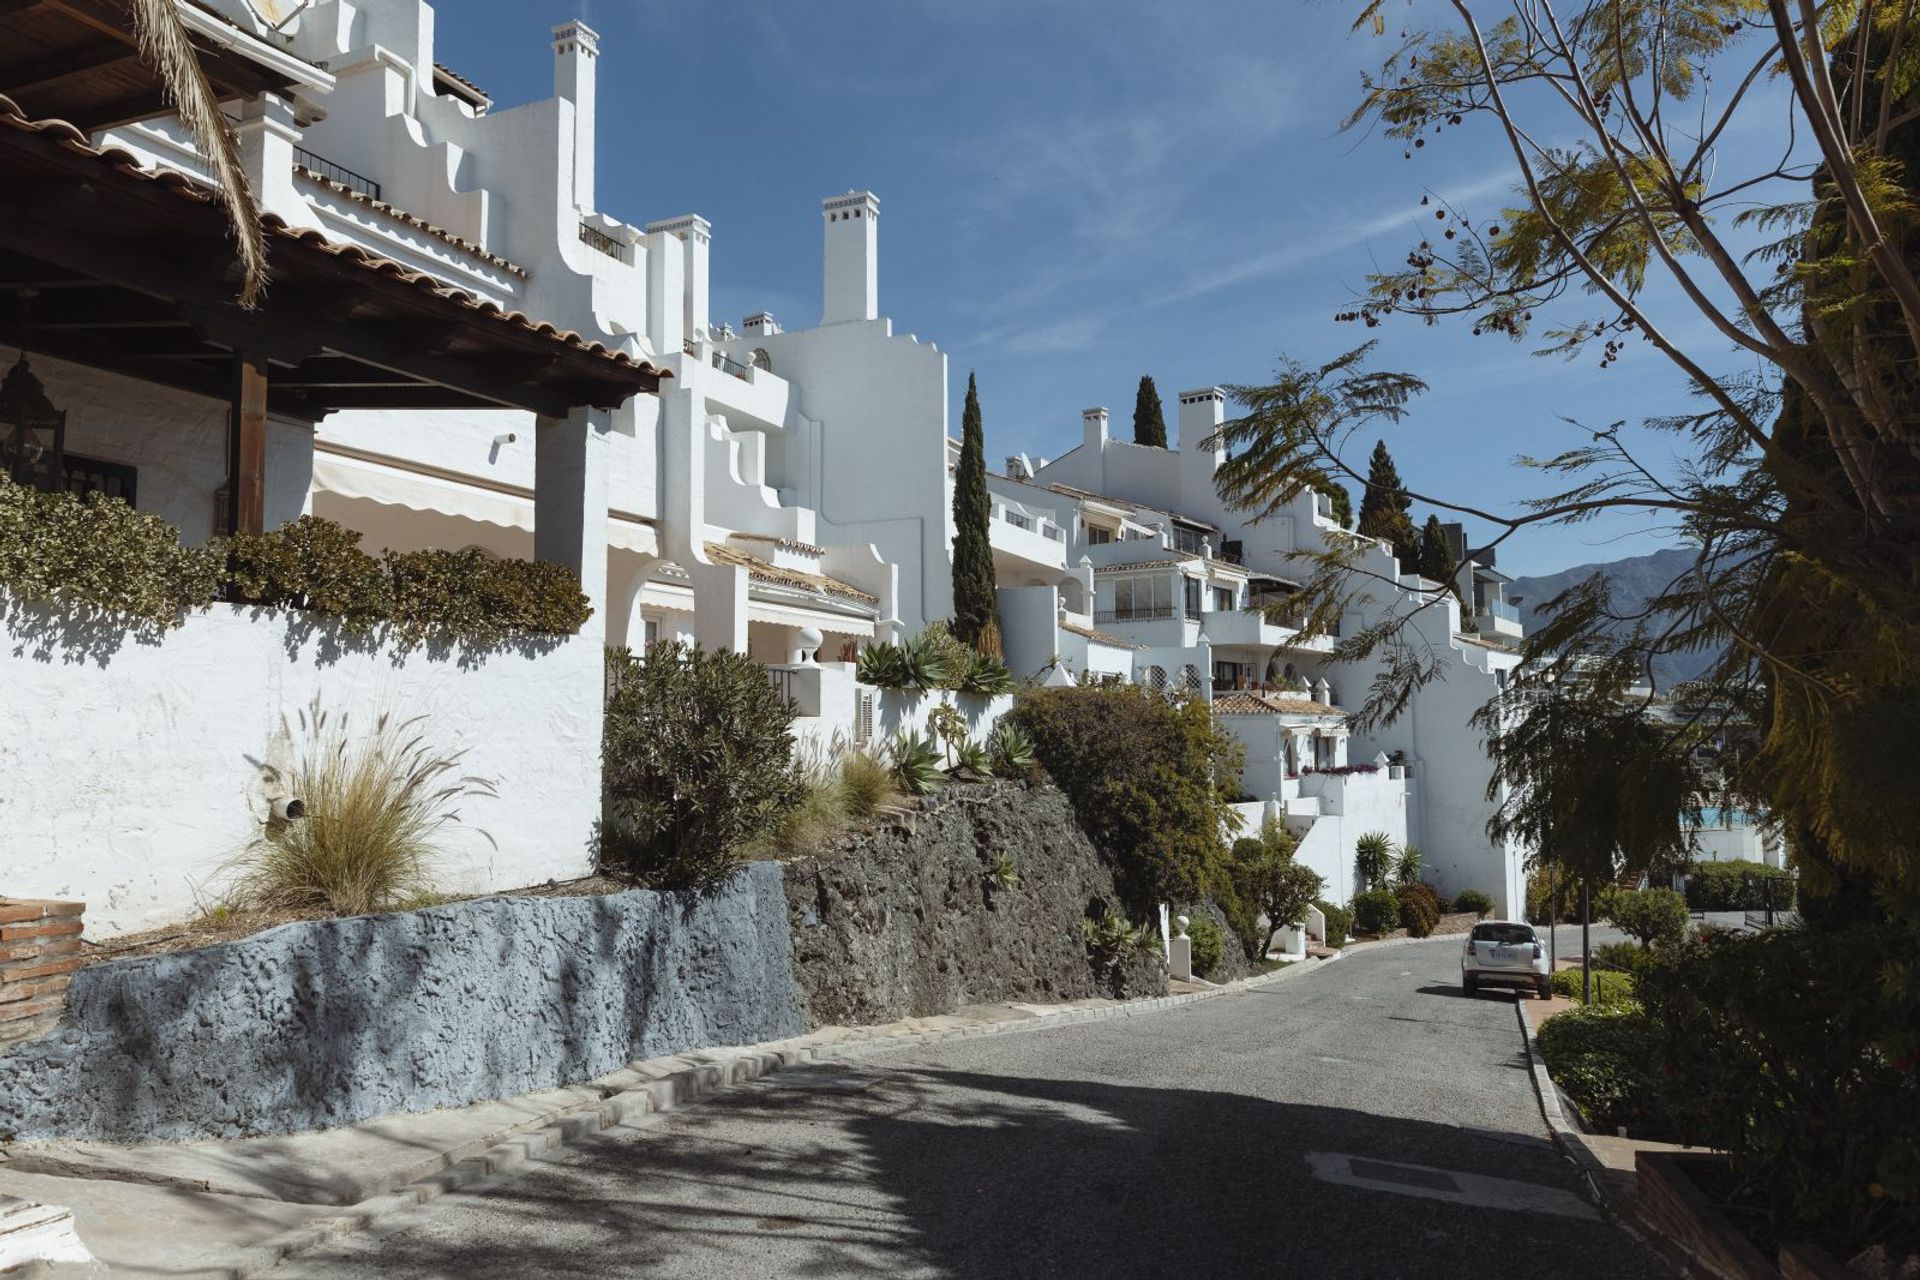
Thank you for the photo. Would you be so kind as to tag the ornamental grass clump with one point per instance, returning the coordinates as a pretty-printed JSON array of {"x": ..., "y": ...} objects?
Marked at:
[
  {"x": 867, "y": 784},
  {"x": 378, "y": 804}
]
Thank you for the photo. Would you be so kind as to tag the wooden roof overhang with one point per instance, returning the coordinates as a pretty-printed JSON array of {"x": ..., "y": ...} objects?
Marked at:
[
  {"x": 134, "y": 273},
  {"x": 79, "y": 61}
]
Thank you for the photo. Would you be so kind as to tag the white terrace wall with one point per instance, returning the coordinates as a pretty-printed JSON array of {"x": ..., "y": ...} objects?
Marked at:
[
  {"x": 1351, "y": 805},
  {"x": 132, "y": 770}
]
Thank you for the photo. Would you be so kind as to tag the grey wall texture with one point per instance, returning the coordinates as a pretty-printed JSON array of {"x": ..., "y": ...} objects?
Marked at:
[
  {"x": 328, "y": 1022},
  {"x": 904, "y": 920}
]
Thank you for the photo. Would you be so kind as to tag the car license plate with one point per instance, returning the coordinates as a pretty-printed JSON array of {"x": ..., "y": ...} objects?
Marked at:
[{"x": 1503, "y": 952}]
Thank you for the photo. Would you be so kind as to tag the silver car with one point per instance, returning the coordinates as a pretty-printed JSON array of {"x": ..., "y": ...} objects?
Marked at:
[{"x": 1506, "y": 953}]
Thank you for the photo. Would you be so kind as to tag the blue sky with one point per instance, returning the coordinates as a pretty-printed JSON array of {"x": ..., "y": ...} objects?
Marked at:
[{"x": 1074, "y": 194}]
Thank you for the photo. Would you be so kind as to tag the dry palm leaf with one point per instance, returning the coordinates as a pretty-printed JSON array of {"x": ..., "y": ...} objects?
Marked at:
[{"x": 166, "y": 49}]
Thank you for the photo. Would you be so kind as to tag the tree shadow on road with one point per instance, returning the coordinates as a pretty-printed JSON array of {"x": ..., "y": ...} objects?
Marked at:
[{"x": 836, "y": 1172}]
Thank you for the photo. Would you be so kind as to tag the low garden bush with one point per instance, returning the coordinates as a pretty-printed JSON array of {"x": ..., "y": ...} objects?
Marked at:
[
  {"x": 1609, "y": 985},
  {"x": 1209, "y": 944},
  {"x": 1607, "y": 1057},
  {"x": 1150, "y": 782},
  {"x": 1655, "y": 917},
  {"x": 1375, "y": 911},
  {"x": 1473, "y": 900},
  {"x": 1797, "y": 1051},
  {"x": 1621, "y": 957},
  {"x": 99, "y": 554},
  {"x": 697, "y": 760},
  {"x": 1339, "y": 923},
  {"x": 1419, "y": 909},
  {"x": 1738, "y": 886}
]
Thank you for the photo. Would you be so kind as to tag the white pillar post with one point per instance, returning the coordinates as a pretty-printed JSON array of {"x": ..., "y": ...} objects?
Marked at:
[{"x": 570, "y": 501}]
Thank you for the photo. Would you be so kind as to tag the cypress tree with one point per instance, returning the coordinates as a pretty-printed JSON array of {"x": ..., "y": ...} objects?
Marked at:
[
  {"x": 1384, "y": 507},
  {"x": 1149, "y": 421},
  {"x": 973, "y": 601},
  {"x": 1436, "y": 562}
]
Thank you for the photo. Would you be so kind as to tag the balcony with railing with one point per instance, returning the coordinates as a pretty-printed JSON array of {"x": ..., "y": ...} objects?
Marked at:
[
  {"x": 1146, "y": 613},
  {"x": 598, "y": 240},
  {"x": 336, "y": 173},
  {"x": 1028, "y": 536},
  {"x": 1501, "y": 618}
]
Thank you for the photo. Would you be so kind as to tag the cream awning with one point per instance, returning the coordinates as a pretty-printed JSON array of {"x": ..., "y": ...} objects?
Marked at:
[{"x": 395, "y": 484}]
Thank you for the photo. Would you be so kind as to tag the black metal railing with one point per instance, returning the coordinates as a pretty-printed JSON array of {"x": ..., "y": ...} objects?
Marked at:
[
  {"x": 595, "y": 238},
  {"x": 727, "y": 364},
  {"x": 1145, "y": 613},
  {"x": 336, "y": 172}
]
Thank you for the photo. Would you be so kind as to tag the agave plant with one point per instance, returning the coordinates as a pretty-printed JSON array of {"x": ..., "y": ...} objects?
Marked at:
[
  {"x": 883, "y": 666},
  {"x": 165, "y": 46},
  {"x": 916, "y": 763},
  {"x": 972, "y": 762},
  {"x": 1408, "y": 866},
  {"x": 1373, "y": 859},
  {"x": 924, "y": 664},
  {"x": 986, "y": 676},
  {"x": 1011, "y": 750}
]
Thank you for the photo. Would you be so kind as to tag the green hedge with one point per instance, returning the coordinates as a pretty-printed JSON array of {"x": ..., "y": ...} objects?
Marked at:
[
  {"x": 99, "y": 554},
  {"x": 1339, "y": 923},
  {"x": 1738, "y": 886},
  {"x": 1475, "y": 901},
  {"x": 1375, "y": 911},
  {"x": 1609, "y": 986},
  {"x": 1419, "y": 909},
  {"x": 1607, "y": 1057}
]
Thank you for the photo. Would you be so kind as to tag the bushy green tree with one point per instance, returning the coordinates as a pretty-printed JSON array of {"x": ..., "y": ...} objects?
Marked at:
[
  {"x": 1151, "y": 783},
  {"x": 974, "y": 608},
  {"x": 1149, "y": 419},
  {"x": 696, "y": 761},
  {"x": 1653, "y": 916}
]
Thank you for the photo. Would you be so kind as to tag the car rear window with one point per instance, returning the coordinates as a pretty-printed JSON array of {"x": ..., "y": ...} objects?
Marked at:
[{"x": 1508, "y": 933}]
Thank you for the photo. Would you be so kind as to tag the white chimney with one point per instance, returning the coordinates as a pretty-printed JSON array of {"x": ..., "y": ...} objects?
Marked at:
[
  {"x": 761, "y": 324},
  {"x": 576, "y": 50},
  {"x": 852, "y": 257},
  {"x": 1201, "y": 413},
  {"x": 1018, "y": 467},
  {"x": 1093, "y": 430}
]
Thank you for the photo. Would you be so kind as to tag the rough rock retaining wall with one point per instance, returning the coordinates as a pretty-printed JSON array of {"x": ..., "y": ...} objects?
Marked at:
[
  {"x": 327, "y": 1022},
  {"x": 905, "y": 920}
]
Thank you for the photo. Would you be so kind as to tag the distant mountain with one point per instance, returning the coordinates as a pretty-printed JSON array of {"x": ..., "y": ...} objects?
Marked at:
[{"x": 1635, "y": 579}]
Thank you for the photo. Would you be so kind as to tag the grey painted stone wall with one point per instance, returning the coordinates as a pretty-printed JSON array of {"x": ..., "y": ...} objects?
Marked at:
[
  {"x": 903, "y": 920},
  {"x": 328, "y": 1022}
]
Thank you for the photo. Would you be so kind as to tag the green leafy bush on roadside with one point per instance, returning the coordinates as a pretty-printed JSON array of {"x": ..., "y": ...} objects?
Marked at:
[
  {"x": 1151, "y": 783},
  {"x": 1475, "y": 901},
  {"x": 1375, "y": 911},
  {"x": 1622, "y": 957},
  {"x": 1419, "y": 909},
  {"x": 1209, "y": 944},
  {"x": 1339, "y": 923},
  {"x": 1656, "y": 917},
  {"x": 1607, "y": 1058},
  {"x": 1609, "y": 986},
  {"x": 1738, "y": 886}
]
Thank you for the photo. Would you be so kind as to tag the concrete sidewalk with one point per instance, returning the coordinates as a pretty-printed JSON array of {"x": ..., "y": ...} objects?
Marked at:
[{"x": 235, "y": 1209}]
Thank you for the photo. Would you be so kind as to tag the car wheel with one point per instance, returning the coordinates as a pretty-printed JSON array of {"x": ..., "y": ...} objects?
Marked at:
[
  {"x": 1472, "y": 985},
  {"x": 1546, "y": 990}
]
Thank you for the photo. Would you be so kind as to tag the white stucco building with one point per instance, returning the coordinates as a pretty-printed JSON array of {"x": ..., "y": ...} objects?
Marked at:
[{"x": 1169, "y": 570}]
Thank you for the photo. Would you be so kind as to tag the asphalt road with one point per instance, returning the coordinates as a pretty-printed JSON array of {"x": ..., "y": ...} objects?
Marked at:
[{"x": 1363, "y": 1120}]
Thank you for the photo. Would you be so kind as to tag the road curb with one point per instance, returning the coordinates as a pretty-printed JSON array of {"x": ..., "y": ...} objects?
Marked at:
[{"x": 655, "y": 1087}]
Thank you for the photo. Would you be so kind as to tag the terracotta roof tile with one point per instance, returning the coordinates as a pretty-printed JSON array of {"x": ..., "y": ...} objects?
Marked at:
[
  {"x": 1099, "y": 637},
  {"x": 1270, "y": 704},
  {"x": 757, "y": 568},
  {"x": 189, "y": 188},
  {"x": 401, "y": 215}
]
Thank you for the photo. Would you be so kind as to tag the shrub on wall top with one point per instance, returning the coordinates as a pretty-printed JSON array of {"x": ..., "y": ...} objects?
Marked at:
[
  {"x": 1653, "y": 916},
  {"x": 1375, "y": 911},
  {"x": 100, "y": 554},
  {"x": 1738, "y": 886}
]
